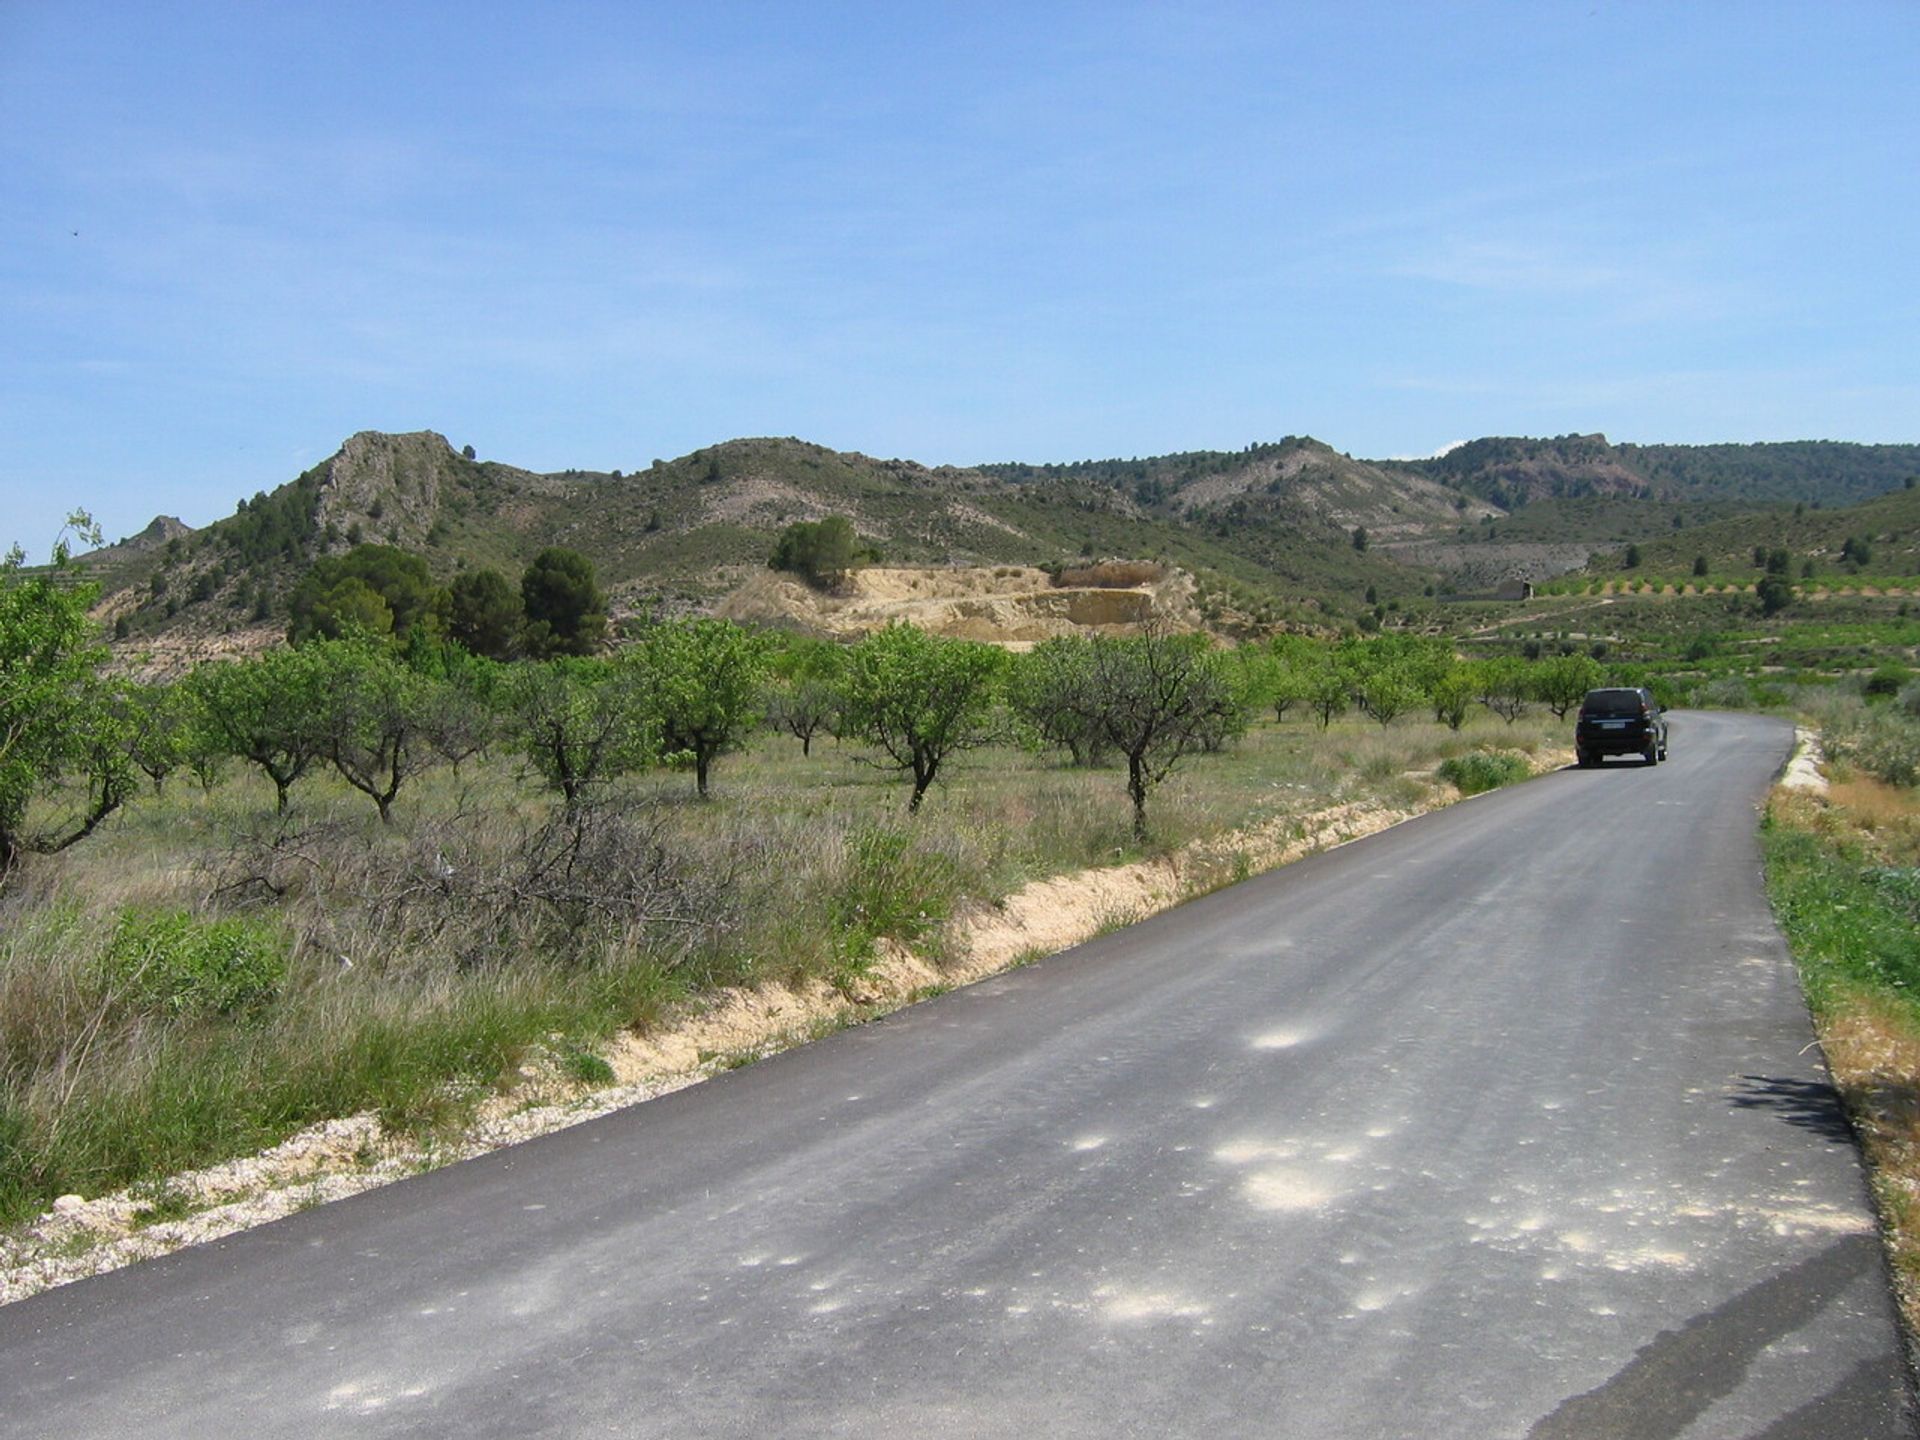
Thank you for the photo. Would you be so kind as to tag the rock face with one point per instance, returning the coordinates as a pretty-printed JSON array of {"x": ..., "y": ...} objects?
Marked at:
[
  {"x": 393, "y": 482},
  {"x": 159, "y": 531}
]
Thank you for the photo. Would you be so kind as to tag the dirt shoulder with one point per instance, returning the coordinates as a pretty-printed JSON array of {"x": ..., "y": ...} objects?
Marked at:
[{"x": 87, "y": 1236}]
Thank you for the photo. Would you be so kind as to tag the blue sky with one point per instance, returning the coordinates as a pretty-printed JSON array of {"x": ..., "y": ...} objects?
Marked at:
[{"x": 577, "y": 235}]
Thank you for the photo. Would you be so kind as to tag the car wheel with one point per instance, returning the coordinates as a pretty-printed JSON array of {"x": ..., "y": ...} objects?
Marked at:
[{"x": 1650, "y": 755}]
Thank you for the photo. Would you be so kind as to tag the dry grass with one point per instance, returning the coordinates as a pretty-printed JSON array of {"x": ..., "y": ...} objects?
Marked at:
[
  {"x": 1872, "y": 1045},
  {"x": 1872, "y": 811},
  {"x": 427, "y": 961},
  {"x": 1110, "y": 575}
]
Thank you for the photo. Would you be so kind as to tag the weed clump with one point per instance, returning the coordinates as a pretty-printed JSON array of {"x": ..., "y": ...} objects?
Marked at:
[
  {"x": 1482, "y": 770},
  {"x": 891, "y": 889}
]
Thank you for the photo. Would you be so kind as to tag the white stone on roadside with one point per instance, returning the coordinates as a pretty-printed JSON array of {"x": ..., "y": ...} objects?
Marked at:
[
  {"x": 69, "y": 1204},
  {"x": 1803, "y": 770}
]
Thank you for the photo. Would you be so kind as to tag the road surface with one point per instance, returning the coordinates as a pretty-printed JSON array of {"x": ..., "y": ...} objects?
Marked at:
[{"x": 1505, "y": 1122}]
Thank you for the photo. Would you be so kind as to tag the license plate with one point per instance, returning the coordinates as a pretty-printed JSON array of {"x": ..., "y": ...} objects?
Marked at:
[{"x": 1613, "y": 724}]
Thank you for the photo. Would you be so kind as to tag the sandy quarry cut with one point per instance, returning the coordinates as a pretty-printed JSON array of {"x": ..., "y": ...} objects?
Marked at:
[{"x": 1012, "y": 605}]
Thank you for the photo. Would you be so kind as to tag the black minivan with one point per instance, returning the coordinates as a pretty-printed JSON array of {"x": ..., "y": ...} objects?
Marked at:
[{"x": 1620, "y": 721}]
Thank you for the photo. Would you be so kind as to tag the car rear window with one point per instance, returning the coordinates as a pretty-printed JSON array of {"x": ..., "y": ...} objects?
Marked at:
[{"x": 1612, "y": 702}]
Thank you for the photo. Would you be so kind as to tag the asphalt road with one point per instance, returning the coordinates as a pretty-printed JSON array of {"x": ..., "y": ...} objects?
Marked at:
[{"x": 1502, "y": 1123}]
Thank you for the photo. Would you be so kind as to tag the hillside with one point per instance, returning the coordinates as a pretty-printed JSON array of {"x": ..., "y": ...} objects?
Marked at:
[
  {"x": 1889, "y": 528},
  {"x": 681, "y": 534},
  {"x": 1293, "y": 531},
  {"x": 1510, "y": 472}
]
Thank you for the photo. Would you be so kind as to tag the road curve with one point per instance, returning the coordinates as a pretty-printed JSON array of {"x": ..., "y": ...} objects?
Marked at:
[{"x": 1503, "y": 1123}]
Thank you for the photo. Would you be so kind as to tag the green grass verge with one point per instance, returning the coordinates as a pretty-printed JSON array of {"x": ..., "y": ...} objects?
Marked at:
[{"x": 1849, "y": 921}]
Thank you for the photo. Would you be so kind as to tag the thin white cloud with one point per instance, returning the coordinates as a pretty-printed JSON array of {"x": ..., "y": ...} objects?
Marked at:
[
  {"x": 1508, "y": 266},
  {"x": 1445, "y": 449}
]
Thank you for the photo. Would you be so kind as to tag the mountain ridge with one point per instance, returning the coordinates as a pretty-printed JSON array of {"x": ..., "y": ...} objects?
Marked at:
[{"x": 1291, "y": 529}]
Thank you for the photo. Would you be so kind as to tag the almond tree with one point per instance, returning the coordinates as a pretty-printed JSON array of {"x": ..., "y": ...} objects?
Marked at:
[
  {"x": 55, "y": 724},
  {"x": 921, "y": 699},
  {"x": 266, "y": 711},
  {"x": 381, "y": 722},
  {"x": 702, "y": 682},
  {"x": 1157, "y": 698},
  {"x": 1047, "y": 691},
  {"x": 803, "y": 697},
  {"x": 578, "y": 722},
  {"x": 1563, "y": 682}
]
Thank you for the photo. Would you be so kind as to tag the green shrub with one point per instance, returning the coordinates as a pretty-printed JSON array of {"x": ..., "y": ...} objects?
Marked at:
[
  {"x": 1885, "y": 683},
  {"x": 169, "y": 961},
  {"x": 1883, "y": 741},
  {"x": 1480, "y": 771},
  {"x": 1899, "y": 885}
]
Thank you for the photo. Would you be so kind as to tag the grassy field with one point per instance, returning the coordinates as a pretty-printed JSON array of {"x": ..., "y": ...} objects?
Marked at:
[{"x": 201, "y": 979}]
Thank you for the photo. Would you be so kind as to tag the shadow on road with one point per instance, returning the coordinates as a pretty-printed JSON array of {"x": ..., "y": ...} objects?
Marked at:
[
  {"x": 1677, "y": 1376},
  {"x": 1810, "y": 1104}
]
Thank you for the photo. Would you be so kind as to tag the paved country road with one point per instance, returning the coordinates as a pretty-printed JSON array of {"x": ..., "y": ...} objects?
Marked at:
[{"x": 1505, "y": 1122}]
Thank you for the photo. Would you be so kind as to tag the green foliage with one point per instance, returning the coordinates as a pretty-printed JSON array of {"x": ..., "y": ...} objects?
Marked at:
[
  {"x": 1388, "y": 675},
  {"x": 1885, "y": 682},
  {"x": 56, "y": 717},
  {"x": 1153, "y": 699},
  {"x": 1883, "y": 740},
  {"x": 818, "y": 551},
  {"x": 1774, "y": 594},
  {"x": 486, "y": 614},
  {"x": 169, "y": 962},
  {"x": 566, "y": 611},
  {"x": 266, "y": 711},
  {"x": 276, "y": 527},
  {"x": 373, "y": 589},
  {"x": 703, "y": 683},
  {"x": 381, "y": 722},
  {"x": 804, "y": 695},
  {"x": 1329, "y": 689},
  {"x": 1562, "y": 682},
  {"x": 1512, "y": 470},
  {"x": 154, "y": 723},
  {"x": 350, "y": 607},
  {"x": 578, "y": 722},
  {"x": 1048, "y": 690},
  {"x": 1451, "y": 695},
  {"x": 1504, "y": 685},
  {"x": 1481, "y": 770},
  {"x": 921, "y": 699}
]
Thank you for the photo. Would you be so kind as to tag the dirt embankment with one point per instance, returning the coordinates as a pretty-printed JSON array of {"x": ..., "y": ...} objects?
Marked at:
[
  {"x": 331, "y": 1161},
  {"x": 1013, "y": 605}
]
